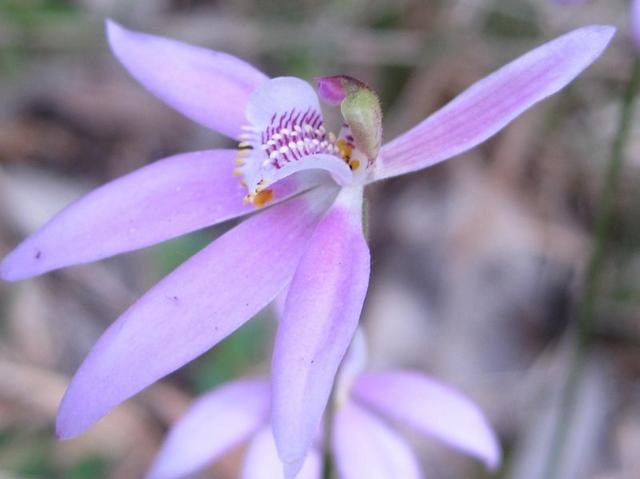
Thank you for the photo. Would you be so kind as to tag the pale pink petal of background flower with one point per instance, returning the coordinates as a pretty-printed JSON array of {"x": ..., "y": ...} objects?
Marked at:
[
  {"x": 353, "y": 364},
  {"x": 489, "y": 105},
  {"x": 635, "y": 23},
  {"x": 262, "y": 460},
  {"x": 192, "y": 309},
  {"x": 364, "y": 447},
  {"x": 321, "y": 315},
  {"x": 211, "y": 88},
  {"x": 430, "y": 408},
  {"x": 215, "y": 423},
  {"x": 165, "y": 199},
  {"x": 570, "y": 2}
]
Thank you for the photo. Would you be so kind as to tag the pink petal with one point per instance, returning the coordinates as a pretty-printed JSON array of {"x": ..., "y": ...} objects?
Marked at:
[
  {"x": 570, "y": 2},
  {"x": 635, "y": 23},
  {"x": 489, "y": 105},
  {"x": 163, "y": 200},
  {"x": 192, "y": 309},
  {"x": 321, "y": 315},
  {"x": 431, "y": 408},
  {"x": 215, "y": 423},
  {"x": 211, "y": 88},
  {"x": 364, "y": 447},
  {"x": 262, "y": 460}
]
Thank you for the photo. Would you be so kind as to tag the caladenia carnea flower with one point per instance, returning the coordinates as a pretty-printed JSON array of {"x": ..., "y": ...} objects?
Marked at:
[
  {"x": 364, "y": 444},
  {"x": 308, "y": 236}
]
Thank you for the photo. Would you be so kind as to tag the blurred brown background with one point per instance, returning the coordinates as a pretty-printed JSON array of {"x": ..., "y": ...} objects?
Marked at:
[{"x": 478, "y": 262}]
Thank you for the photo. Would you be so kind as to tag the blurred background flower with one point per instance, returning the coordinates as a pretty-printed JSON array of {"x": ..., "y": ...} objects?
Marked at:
[{"x": 479, "y": 262}]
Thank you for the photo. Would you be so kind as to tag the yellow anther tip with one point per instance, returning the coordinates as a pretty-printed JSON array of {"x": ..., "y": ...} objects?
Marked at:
[
  {"x": 262, "y": 198},
  {"x": 344, "y": 149}
]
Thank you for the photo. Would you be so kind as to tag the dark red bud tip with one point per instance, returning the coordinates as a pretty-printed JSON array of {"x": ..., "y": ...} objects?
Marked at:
[{"x": 331, "y": 89}]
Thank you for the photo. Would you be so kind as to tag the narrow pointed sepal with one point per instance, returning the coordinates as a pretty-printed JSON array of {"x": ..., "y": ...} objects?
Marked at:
[
  {"x": 192, "y": 309},
  {"x": 160, "y": 201},
  {"x": 320, "y": 317},
  {"x": 209, "y": 87},
  {"x": 489, "y": 105}
]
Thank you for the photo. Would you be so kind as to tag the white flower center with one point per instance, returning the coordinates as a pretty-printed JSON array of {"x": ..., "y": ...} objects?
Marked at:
[
  {"x": 264, "y": 152},
  {"x": 294, "y": 135}
]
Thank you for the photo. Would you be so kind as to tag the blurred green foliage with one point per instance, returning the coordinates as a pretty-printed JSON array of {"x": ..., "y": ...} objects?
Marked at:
[
  {"x": 25, "y": 18},
  {"x": 33, "y": 455},
  {"x": 29, "y": 13}
]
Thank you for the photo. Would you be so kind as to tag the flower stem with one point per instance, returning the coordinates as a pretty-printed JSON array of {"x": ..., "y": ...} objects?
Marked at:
[
  {"x": 327, "y": 458},
  {"x": 365, "y": 219},
  {"x": 586, "y": 310}
]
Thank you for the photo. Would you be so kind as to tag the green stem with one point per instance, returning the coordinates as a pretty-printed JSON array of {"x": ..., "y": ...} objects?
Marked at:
[
  {"x": 605, "y": 214},
  {"x": 586, "y": 310},
  {"x": 327, "y": 458}
]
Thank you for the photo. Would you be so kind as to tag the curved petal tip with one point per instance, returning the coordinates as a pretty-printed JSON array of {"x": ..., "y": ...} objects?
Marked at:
[
  {"x": 207, "y": 86},
  {"x": 489, "y": 105},
  {"x": 66, "y": 426},
  {"x": 111, "y": 26},
  {"x": 25, "y": 261},
  {"x": 432, "y": 408},
  {"x": 114, "y": 31},
  {"x": 635, "y": 24},
  {"x": 8, "y": 270},
  {"x": 604, "y": 33},
  {"x": 291, "y": 469}
]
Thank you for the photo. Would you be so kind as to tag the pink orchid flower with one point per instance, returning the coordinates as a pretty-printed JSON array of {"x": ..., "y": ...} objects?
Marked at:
[
  {"x": 309, "y": 239},
  {"x": 362, "y": 443}
]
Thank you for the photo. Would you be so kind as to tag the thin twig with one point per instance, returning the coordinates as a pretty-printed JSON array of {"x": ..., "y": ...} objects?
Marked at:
[{"x": 586, "y": 311}]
